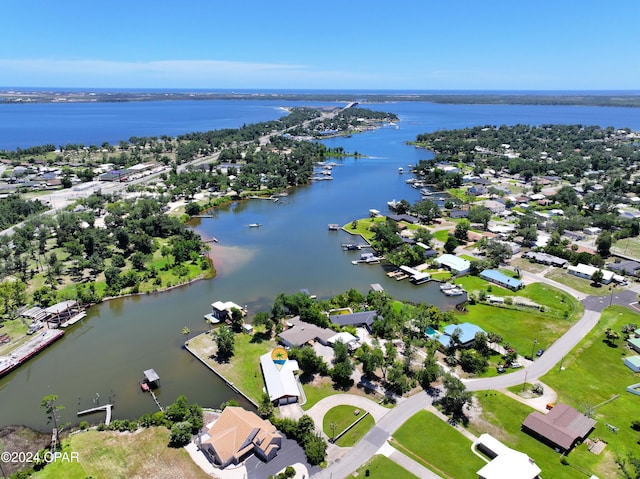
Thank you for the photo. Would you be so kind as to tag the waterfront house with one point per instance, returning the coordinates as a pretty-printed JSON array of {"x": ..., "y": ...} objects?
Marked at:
[
  {"x": 561, "y": 428},
  {"x": 300, "y": 333},
  {"x": 237, "y": 434},
  {"x": 362, "y": 319},
  {"x": 453, "y": 263},
  {"x": 406, "y": 218},
  {"x": 280, "y": 382}
]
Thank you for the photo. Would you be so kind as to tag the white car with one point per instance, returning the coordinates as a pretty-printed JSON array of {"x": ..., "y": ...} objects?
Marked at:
[{"x": 516, "y": 365}]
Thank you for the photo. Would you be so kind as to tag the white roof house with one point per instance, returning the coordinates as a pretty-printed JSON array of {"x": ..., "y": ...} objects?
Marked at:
[
  {"x": 455, "y": 264},
  {"x": 281, "y": 384},
  {"x": 586, "y": 271},
  {"x": 507, "y": 463}
]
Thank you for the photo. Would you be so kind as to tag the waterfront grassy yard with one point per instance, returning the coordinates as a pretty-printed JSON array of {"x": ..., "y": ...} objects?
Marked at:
[
  {"x": 382, "y": 467},
  {"x": 109, "y": 454},
  {"x": 363, "y": 226},
  {"x": 243, "y": 370},
  {"x": 337, "y": 419},
  {"x": 437, "y": 445}
]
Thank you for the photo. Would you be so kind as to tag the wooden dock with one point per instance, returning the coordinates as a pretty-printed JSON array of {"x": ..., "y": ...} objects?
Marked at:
[
  {"x": 106, "y": 407},
  {"x": 155, "y": 399}
]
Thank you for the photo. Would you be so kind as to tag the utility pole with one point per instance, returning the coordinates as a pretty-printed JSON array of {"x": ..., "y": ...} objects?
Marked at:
[
  {"x": 524, "y": 383},
  {"x": 535, "y": 341}
]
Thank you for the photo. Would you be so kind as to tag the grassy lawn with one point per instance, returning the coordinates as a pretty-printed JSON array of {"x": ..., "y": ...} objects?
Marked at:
[
  {"x": 363, "y": 225},
  {"x": 502, "y": 418},
  {"x": 16, "y": 329},
  {"x": 579, "y": 284},
  {"x": 526, "y": 265},
  {"x": 382, "y": 467},
  {"x": 115, "y": 455},
  {"x": 439, "y": 275},
  {"x": 441, "y": 235},
  {"x": 438, "y": 446},
  {"x": 593, "y": 373},
  {"x": 518, "y": 328},
  {"x": 243, "y": 370},
  {"x": 317, "y": 390},
  {"x": 627, "y": 246},
  {"x": 337, "y": 419}
]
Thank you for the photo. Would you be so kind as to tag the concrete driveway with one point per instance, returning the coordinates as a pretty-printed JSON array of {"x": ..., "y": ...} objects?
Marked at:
[{"x": 290, "y": 453}]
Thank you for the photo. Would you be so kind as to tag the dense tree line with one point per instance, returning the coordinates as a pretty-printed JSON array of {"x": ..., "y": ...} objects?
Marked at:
[{"x": 14, "y": 209}]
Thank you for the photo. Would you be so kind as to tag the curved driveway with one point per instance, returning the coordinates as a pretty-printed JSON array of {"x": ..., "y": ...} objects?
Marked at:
[{"x": 394, "y": 418}]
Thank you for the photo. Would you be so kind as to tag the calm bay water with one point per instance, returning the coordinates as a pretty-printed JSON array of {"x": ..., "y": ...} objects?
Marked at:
[{"x": 105, "y": 354}]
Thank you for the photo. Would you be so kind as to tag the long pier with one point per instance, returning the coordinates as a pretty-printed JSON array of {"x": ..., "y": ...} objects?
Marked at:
[
  {"x": 106, "y": 407},
  {"x": 155, "y": 399}
]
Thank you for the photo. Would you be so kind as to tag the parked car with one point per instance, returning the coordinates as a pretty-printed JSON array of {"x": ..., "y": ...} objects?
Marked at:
[
  {"x": 516, "y": 365},
  {"x": 539, "y": 352},
  {"x": 501, "y": 370}
]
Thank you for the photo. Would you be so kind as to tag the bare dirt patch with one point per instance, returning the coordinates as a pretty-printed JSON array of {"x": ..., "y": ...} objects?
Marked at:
[{"x": 21, "y": 439}]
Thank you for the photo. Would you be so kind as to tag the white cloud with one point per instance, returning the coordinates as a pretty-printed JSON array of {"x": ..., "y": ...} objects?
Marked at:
[{"x": 212, "y": 73}]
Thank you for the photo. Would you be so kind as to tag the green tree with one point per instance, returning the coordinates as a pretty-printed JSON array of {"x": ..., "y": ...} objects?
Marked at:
[
  {"x": 192, "y": 209},
  {"x": 315, "y": 449},
  {"x": 480, "y": 214},
  {"x": 603, "y": 243},
  {"x": 462, "y": 230},
  {"x": 265, "y": 408},
  {"x": 429, "y": 373},
  {"x": 597, "y": 277},
  {"x": 225, "y": 342},
  {"x": 450, "y": 245},
  {"x": 180, "y": 434},
  {"x": 52, "y": 410},
  {"x": 341, "y": 374},
  {"x": 456, "y": 396},
  {"x": 237, "y": 320},
  {"x": 262, "y": 318}
]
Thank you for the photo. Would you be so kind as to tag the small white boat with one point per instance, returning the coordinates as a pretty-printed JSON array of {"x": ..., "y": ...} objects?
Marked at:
[
  {"x": 255, "y": 225},
  {"x": 400, "y": 170},
  {"x": 453, "y": 292}
]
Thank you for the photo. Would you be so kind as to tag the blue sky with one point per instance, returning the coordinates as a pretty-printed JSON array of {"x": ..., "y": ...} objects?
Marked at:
[{"x": 347, "y": 44}]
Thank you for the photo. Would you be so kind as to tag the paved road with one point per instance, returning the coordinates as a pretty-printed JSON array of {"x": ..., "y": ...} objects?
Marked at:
[{"x": 553, "y": 356}]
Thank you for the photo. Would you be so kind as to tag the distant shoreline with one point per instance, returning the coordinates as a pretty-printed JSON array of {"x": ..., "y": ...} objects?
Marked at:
[{"x": 588, "y": 98}]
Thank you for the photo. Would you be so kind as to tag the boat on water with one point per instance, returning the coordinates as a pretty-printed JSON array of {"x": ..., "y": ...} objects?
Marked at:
[
  {"x": 255, "y": 225},
  {"x": 400, "y": 170},
  {"x": 447, "y": 286},
  {"x": 393, "y": 204},
  {"x": 453, "y": 292},
  {"x": 144, "y": 386}
]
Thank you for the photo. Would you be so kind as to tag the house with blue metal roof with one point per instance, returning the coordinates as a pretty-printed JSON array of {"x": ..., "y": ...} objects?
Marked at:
[
  {"x": 501, "y": 279},
  {"x": 467, "y": 333}
]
